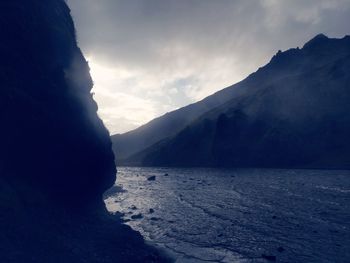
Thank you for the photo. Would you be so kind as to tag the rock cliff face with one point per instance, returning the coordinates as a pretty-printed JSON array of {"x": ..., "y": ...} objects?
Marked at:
[
  {"x": 51, "y": 135},
  {"x": 55, "y": 156}
]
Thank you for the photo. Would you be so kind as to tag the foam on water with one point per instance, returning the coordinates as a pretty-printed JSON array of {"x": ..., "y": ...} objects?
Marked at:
[{"x": 216, "y": 215}]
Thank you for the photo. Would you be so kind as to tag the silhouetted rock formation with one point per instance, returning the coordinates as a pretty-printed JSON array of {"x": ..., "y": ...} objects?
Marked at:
[
  {"x": 50, "y": 130},
  {"x": 55, "y": 156},
  {"x": 293, "y": 112}
]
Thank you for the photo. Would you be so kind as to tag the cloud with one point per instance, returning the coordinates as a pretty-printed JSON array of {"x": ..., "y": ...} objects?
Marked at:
[
  {"x": 125, "y": 108},
  {"x": 309, "y": 13},
  {"x": 171, "y": 53}
]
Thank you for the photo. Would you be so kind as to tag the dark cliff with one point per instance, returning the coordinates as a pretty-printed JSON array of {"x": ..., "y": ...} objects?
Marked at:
[
  {"x": 55, "y": 156},
  {"x": 293, "y": 112},
  {"x": 50, "y": 131}
]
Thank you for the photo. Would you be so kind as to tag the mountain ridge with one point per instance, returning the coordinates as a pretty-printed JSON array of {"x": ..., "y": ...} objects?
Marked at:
[{"x": 316, "y": 56}]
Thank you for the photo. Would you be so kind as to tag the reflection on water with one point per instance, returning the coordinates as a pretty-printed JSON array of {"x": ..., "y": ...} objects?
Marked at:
[{"x": 202, "y": 215}]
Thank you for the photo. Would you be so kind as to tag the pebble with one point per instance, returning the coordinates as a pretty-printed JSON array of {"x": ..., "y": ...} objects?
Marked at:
[
  {"x": 269, "y": 257},
  {"x": 280, "y": 249},
  {"x": 138, "y": 216}
]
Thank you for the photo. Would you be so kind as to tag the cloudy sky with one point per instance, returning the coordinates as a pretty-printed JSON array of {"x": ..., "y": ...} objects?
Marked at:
[{"x": 149, "y": 57}]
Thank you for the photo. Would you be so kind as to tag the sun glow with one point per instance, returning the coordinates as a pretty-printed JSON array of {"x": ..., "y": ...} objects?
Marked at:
[
  {"x": 119, "y": 108},
  {"x": 101, "y": 72}
]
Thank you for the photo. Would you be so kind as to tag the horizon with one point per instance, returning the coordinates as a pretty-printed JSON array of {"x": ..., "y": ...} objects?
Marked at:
[{"x": 165, "y": 56}]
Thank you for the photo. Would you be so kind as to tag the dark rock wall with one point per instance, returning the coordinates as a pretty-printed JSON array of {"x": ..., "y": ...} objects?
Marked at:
[
  {"x": 51, "y": 136},
  {"x": 55, "y": 153}
]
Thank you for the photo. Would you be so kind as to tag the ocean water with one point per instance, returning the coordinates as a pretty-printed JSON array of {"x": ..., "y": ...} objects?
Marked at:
[{"x": 243, "y": 215}]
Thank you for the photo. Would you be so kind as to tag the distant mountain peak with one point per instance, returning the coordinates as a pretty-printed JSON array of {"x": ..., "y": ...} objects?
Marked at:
[{"x": 320, "y": 38}]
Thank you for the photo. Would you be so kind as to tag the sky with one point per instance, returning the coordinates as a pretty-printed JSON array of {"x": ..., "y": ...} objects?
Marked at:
[{"x": 149, "y": 57}]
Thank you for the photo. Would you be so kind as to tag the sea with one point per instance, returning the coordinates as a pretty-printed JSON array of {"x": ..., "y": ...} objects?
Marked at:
[{"x": 237, "y": 215}]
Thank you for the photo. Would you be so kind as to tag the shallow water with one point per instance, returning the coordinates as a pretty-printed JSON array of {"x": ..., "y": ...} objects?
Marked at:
[{"x": 217, "y": 215}]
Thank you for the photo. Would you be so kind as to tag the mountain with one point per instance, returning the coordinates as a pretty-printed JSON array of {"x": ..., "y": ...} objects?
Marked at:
[
  {"x": 56, "y": 158},
  {"x": 127, "y": 144},
  {"x": 293, "y": 112}
]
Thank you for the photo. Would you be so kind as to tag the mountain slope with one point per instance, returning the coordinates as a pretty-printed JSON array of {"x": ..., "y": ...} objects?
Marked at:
[
  {"x": 294, "y": 112},
  {"x": 127, "y": 144}
]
